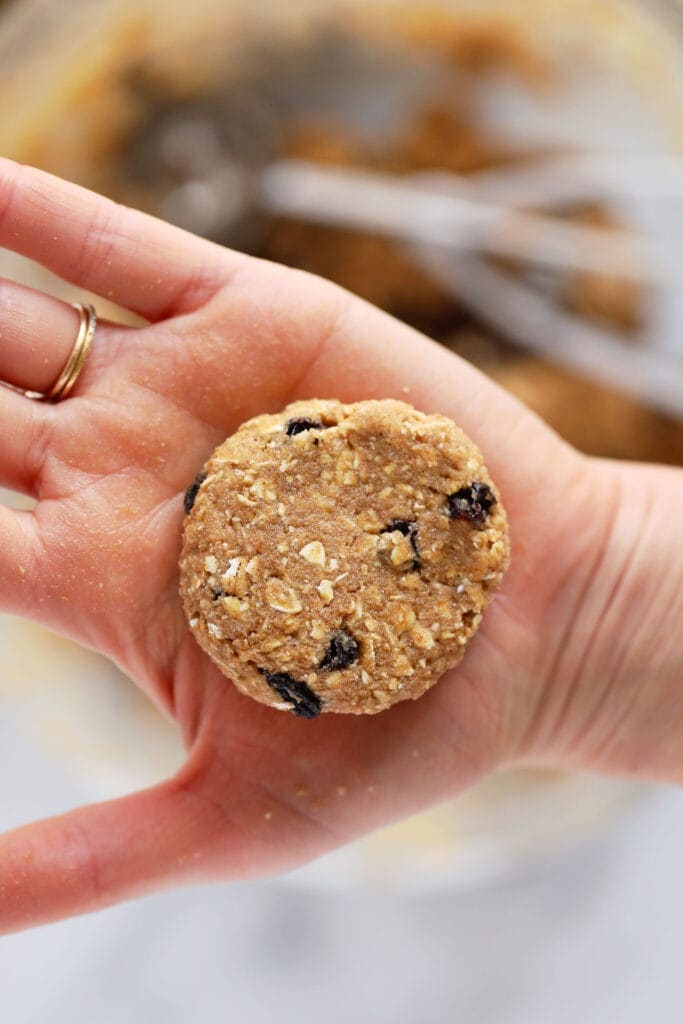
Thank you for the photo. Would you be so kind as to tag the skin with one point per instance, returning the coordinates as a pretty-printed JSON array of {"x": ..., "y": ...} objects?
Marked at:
[{"x": 578, "y": 661}]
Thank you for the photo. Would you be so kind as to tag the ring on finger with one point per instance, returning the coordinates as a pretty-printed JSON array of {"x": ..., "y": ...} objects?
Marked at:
[{"x": 76, "y": 361}]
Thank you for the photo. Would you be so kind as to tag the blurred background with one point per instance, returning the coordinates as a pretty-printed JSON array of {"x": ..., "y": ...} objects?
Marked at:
[{"x": 508, "y": 177}]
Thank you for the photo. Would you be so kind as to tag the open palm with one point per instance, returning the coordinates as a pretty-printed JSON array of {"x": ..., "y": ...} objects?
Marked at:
[{"x": 229, "y": 337}]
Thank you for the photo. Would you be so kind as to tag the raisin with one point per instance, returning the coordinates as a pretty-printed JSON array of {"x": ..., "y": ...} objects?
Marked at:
[
  {"x": 341, "y": 652},
  {"x": 218, "y": 593},
  {"x": 471, "y": 503},
  {"x": 191, "y": 492},
  {"x": 305, "y": 703},
  {"x": 409, "y": 529},
  {"x": 301, "y": 423}
]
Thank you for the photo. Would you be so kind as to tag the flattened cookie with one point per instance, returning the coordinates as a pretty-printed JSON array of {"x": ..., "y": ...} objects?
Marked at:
[{"x": 339, "y": 557}]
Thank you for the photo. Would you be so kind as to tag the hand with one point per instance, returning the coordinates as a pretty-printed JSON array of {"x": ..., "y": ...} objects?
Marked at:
[{"x": 229, "y": 337}]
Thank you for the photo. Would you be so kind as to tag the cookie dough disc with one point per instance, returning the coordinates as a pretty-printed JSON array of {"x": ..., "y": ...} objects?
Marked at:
[{"x": 339, "y": 557}]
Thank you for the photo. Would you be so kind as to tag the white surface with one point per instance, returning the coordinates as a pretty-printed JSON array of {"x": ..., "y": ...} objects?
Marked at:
[{"x": 593, "y": 935}]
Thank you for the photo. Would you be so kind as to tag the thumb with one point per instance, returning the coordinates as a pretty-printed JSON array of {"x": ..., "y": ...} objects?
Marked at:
[{"x": 100, "y": 854}]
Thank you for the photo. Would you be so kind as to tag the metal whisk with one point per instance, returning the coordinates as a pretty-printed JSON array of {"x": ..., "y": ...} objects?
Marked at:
[{"x": 462, "y": 229}]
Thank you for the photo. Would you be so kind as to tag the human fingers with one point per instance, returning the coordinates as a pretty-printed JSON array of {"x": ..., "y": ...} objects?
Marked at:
[
  {"x": 207, "y": 822},
  {"x": 37, "y": 336},
  {"x": 100, "y": 854},
  {"x": 126, "y": 256}
]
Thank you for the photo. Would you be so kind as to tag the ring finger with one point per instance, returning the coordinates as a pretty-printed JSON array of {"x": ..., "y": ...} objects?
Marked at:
[{"x": 37, "y": 335}]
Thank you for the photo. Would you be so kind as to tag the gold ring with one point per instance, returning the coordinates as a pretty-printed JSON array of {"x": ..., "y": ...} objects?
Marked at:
[{"x": 76, "y": 361}]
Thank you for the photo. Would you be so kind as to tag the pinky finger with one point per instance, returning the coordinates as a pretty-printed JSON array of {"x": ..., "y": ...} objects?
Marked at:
[{"x": 98, "y": 855}]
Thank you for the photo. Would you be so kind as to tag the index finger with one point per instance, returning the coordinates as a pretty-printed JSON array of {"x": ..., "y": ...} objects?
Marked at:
[{"x": 126, "y": 256}]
